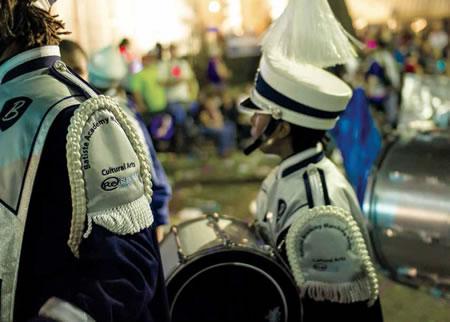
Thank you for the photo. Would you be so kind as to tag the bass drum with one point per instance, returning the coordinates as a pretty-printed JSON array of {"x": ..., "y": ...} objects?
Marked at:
[
  {"x": 408, "y": 205},
  {"x": 217, "y": 270}
]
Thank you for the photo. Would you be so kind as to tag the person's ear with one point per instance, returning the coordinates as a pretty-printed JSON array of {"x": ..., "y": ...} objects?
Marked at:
[{"x": 283, "y": 130}]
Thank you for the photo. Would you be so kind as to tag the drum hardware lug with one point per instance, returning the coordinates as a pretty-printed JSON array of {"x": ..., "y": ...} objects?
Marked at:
[
  {"x": 268, "y": 250},
  {"x": 213, "y": 221},
  {"x": 228, "y": 243},
  {"x": 213, "y": 218},
  {"x": 182, "y": 258}
]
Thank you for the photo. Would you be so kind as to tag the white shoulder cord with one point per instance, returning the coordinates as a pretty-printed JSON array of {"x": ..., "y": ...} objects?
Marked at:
[
  {"x": 73, "y": 153},
  {"x": 355, "y": 234}
]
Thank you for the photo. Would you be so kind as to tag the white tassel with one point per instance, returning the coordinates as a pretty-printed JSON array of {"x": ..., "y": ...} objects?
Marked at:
[
  {"x": 308, "y": 33},
  {"x": 350, "y": 292},
  {"x": 126, "y": 219}
]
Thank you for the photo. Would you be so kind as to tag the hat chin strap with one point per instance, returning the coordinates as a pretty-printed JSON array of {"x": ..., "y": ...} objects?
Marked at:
[{"x": 271, "y": 127}]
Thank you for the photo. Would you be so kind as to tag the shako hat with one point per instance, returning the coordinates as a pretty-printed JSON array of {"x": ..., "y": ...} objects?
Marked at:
[{"x": 291, "y": 84}]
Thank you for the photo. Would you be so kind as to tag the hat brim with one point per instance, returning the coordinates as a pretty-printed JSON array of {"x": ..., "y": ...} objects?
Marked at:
[{"x": 247, "y": 106}]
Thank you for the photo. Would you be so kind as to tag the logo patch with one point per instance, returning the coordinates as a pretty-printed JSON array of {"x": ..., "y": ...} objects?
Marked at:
[
  {"x": 13, "y": 111},
  {"x": 110, "y": 184},
  {"x": 320, "y": 267}
]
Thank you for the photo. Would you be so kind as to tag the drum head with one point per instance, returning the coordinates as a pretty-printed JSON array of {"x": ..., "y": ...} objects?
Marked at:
[{"x": 233, "y": 285}]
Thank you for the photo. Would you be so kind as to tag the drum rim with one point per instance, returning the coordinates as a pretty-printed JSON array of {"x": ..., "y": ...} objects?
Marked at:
[
  {"x": 205, "y": 217},
  {"x": 285, "y": 278},
  {"x": 200, "y": 255},
  {"x": 277, "y": 286}
]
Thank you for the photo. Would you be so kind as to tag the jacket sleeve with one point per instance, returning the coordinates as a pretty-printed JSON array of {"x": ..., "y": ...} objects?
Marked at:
[
  {"x": 119, "y": 277},
  {"x": 119, "y": 257},
  {"x": 117, "y": 274}
]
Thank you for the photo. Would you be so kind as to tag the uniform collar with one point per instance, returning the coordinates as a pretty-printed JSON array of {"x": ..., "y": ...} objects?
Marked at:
[
  {"x": 28, "y": 61},
  {"x": 300, "y": 160}
]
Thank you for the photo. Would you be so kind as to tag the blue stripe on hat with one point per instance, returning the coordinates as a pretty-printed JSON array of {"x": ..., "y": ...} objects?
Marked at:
[{"x": 268, "y": 92}]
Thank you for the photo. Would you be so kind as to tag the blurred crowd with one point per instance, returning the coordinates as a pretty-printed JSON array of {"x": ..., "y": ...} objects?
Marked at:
[
  {"x": 424, "y": 52},
  {"x": 163, "y": 88},
  {"x": 183, "y": 116},
  {"x": 389, "y": 55}
]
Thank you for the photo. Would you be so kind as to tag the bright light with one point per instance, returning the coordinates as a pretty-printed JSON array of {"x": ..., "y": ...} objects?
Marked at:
[
  {"x": 418, "y": 25},
  {"x": 233, "y": 20},
  {"x": 100, "y": 23},
  {"x": 214, "y": 6},
  {"x": 373, "y": 11},
  {"x": 392, "y": 24},
  {"x": 147, "y": 22}
]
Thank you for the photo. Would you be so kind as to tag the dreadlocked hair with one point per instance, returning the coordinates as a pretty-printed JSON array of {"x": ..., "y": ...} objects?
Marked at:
[{"x": 28, "y": 25}]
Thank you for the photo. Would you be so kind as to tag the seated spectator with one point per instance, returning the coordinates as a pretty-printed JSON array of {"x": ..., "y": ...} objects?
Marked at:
[
  {"x": 179, "y": 80},
  {"x": 217, "y": 72},
  {"x": 148, "y": 91},
  {"x": 214, "y": 125},
  {"x": 231, "y": 114}
]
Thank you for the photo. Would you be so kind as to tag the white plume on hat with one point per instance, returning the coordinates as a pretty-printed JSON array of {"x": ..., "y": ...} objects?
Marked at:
[
  {"x": 308, "y": 32},
  {"x": 44, "y": 4},
  {"x": 291, "y": 83}
]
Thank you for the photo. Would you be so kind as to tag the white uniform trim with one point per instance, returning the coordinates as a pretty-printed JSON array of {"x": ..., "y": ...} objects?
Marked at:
[
  {"x": 27, "y": 56},
  {"x": 77, "y": 181},
  {"x": 342, "y": 292},
  {"x": 317, "y": 189},
  {"x": 63, "y": 311}
]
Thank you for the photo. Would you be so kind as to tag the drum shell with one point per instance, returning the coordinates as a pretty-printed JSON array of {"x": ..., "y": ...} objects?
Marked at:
[
  {"x": 408, "y": 205},
  {"x": 198, "y": 237},
  {"x": 229, "y": 251}
]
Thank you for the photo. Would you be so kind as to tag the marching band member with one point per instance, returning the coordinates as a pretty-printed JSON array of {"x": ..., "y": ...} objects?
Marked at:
[
  {"x": 75, "y": 187},
  {"x": 306, "y": 209}
]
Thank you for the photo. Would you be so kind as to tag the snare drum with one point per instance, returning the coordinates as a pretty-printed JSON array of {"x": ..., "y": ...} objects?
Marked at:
[{"x": 218, "y": 270}]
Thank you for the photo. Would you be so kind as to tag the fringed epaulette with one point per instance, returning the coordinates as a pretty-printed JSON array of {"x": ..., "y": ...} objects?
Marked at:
[
  {"x": 123, "y": 219},
  {"x": 329, "y": 258}
]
